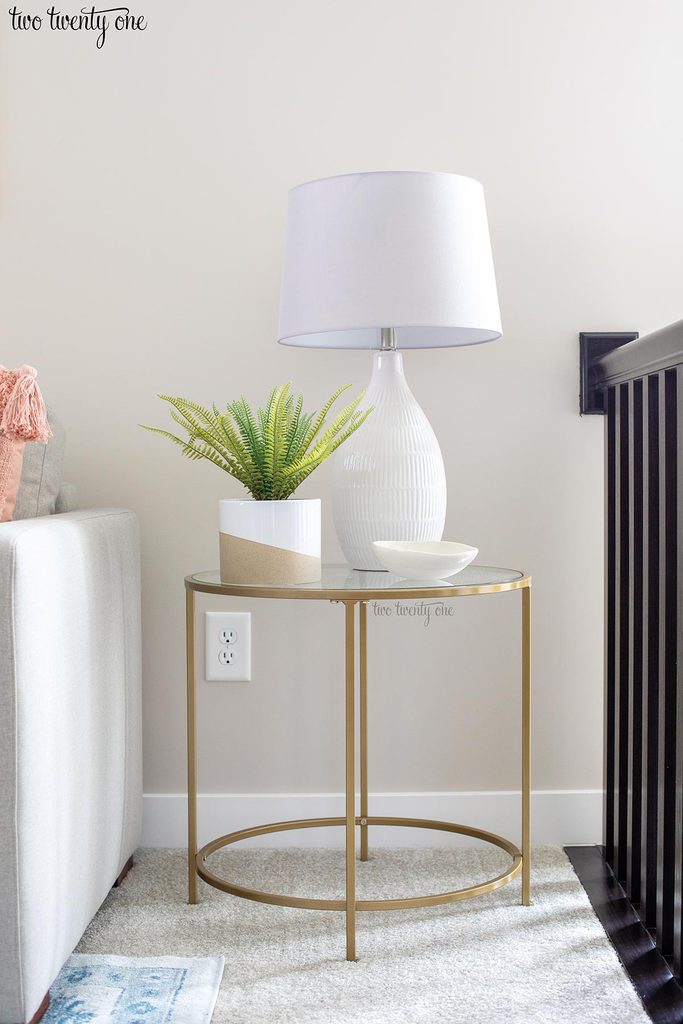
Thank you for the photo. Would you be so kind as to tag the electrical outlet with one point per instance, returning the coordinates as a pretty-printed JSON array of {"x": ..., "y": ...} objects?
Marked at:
[{"x": 227, "y": 646}]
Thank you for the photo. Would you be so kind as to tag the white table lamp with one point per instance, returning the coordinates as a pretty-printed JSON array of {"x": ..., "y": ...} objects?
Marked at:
[{"x": 388, "y": 260}]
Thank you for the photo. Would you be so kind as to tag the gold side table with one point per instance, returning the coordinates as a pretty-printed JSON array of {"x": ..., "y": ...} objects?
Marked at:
[{"x": 352, "y": 589}]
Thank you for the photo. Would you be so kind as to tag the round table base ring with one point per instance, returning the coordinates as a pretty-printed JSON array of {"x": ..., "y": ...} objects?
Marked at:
[{"x": 302, "y": 902}]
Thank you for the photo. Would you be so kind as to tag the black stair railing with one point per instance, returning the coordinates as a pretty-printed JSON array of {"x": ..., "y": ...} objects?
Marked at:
[{"x": 639, "y": 387}]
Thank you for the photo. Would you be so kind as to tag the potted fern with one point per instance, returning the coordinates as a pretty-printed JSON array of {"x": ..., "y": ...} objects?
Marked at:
[{"x": 271, "y": 538}]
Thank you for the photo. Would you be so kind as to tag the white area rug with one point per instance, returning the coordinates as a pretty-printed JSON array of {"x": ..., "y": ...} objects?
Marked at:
[
  {"x": 482, "y": 961},
  {"x": 125, "y": 990}
]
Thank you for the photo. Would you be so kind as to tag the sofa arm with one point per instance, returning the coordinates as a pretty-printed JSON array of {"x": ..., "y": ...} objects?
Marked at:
[{"x": 70, "y": 725}]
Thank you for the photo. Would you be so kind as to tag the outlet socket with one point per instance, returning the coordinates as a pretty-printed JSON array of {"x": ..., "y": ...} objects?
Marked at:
[{"x": 227, "y": 646}]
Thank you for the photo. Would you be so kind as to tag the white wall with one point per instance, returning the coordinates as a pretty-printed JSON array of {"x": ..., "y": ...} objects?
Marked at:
[{"x": 143, "y": 201}]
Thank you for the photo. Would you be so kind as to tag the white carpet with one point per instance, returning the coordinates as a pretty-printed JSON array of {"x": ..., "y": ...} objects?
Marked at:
[{"x": 482, "y": 961}]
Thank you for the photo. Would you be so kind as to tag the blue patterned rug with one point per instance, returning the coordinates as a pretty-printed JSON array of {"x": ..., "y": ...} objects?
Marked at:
[{"x": 129, "y": 990}]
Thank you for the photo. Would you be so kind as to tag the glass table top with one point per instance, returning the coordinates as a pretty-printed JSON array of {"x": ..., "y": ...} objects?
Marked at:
[{"x": 340, "y": 582}]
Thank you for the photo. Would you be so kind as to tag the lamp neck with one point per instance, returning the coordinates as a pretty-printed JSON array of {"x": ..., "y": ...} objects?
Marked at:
[
  {"x": 387, "y": 341},
  {"x": 387, "y": 377}
]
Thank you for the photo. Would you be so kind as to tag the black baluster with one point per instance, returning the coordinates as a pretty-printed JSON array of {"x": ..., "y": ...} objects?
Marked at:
[
  {"x": 666, "y": 839},
  {"x": 622, "y": 575},
  {"x": 635, "y": 632},
  {"x": 650, "y": 791},
  {"x": 610, "y": 618}
]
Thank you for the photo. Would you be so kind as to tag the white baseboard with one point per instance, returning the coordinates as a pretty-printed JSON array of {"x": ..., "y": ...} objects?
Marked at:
[{"x": 559, "y": 817}]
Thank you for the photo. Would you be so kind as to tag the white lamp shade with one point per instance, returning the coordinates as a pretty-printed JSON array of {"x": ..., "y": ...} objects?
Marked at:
[{"x": 402, "y": 249}]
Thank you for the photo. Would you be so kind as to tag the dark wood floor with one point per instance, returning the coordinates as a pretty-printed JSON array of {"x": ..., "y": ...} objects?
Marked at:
[{"x": 650, "y": 973}]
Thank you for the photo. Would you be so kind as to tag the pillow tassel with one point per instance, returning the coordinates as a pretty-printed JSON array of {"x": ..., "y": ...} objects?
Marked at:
[
  {"x": 24, "y": 417},
  {"x": 8, "y": 379}
]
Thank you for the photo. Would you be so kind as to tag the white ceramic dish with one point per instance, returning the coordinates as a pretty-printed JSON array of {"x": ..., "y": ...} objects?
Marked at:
[{"x": 427, "y": 560}]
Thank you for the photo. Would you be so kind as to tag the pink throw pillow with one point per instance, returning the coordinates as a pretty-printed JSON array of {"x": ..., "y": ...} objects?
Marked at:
[
  {"x": 11, "y": 462},
  {"x": 22, "y": 418}
]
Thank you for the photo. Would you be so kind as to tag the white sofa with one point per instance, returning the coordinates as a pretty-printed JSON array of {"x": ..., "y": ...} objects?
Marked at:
[{"x": 70, "y": 736}]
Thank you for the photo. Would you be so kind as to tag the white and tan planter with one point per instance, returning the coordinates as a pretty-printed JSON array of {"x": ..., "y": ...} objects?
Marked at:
[{"x": 270, "y": 542}]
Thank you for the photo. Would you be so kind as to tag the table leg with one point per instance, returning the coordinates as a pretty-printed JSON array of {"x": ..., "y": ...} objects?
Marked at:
[
  {"x": 350, "y": 657},
  {"x": 363, "y": 643},
  {"x": 191, "y": 749},
  {"x": 526, "y": 746}
]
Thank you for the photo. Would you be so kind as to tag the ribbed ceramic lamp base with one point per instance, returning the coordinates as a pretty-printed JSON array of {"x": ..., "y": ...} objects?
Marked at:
[{"x": 389, "y": 480}]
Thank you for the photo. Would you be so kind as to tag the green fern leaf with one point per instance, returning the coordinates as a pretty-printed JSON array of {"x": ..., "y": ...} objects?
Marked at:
[
  {"x": 320, "y": 418},
  {"x": 271, "y": 451}
]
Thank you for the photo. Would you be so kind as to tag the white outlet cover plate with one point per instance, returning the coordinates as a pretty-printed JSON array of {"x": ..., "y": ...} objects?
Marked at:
[{"x": 240, "y": 668}]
